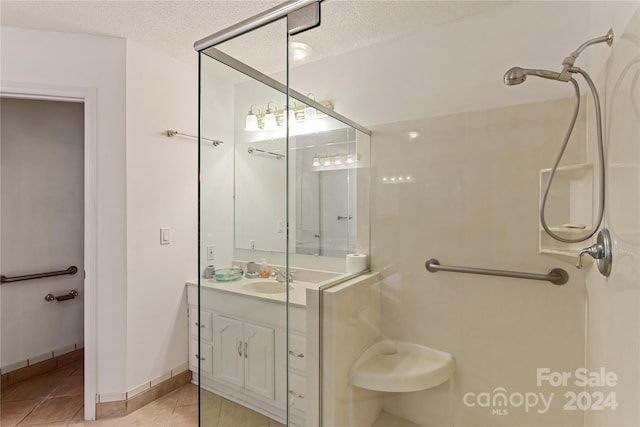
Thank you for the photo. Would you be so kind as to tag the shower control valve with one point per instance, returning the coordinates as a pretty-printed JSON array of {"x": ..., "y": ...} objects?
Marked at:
[
  {"x": 600, "y": 251},
  {"x": 596, "y": 251}
]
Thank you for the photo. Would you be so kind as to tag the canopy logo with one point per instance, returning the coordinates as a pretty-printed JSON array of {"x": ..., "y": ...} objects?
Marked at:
[
  {"x": 499, "y": 401},
  {"x": 594, "y": 397}
]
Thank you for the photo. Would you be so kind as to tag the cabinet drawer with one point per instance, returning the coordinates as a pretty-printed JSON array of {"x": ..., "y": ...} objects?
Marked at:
[
  {"x": 297, "y": 392},
  {"x": 205, "y": 355},
  {"x": 204, "y": 325},
  {"x": 298, "y": 320},
  {"x": 297, "y": 353}
]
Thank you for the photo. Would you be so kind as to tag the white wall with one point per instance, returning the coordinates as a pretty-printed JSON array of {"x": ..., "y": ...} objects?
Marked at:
[
  {"x": 455, "y": 67},
  {"x": 145, "y": 181},
  {"x": 42, "y": 227},
  {"x": 49, "y": 58},
  {"x": 614, "y": 302},
  {"x": 162, "y": 175}
]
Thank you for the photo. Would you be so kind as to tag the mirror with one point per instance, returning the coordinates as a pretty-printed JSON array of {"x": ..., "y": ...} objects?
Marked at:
[{"x": 323, "y": 208}]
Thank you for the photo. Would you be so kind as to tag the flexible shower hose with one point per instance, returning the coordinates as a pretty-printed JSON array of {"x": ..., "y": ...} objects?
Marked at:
[{"x": 596, "y": 101}]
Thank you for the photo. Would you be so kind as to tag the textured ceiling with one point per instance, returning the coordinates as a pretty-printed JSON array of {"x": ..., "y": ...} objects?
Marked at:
[{"x": 173, "y": 26}]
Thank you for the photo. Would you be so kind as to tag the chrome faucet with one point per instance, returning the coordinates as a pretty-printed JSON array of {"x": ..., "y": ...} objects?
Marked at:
[{"x": 280, "y": 275}]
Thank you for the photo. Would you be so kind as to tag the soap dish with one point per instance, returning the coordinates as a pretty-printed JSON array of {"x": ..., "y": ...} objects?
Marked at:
[
  {"x": 228, "y": 274},
  {"x": 251, "y": 275}
]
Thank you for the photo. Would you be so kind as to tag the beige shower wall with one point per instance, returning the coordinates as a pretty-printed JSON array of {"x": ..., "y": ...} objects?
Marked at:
[{"x": 474, "y": 202}]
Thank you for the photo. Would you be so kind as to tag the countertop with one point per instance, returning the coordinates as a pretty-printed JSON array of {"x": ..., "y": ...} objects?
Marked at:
[{"x": 259, "y": 288}]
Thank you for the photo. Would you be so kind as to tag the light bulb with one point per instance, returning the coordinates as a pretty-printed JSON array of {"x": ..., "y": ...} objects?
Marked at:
[
  {"x": 316, "y": 161},
  {"x": 327, "y": 162},
  {"x": 349, "y": 159},
  {"x": 291, "y": 119},
  {"x": 311, "y": 117},
  {"x": 251, "y": 124},
  {"x": 270, "y": 121}
]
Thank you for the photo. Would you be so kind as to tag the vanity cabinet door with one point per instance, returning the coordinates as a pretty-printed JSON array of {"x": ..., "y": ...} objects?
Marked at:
[
  {"x": 230, "y": 349},
  {"x": 260, "y": 360}
]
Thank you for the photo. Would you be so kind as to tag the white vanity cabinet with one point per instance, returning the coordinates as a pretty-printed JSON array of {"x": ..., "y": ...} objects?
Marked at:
[
  {"x": 243, "y": 350},
  {"x": 244, "y": 355}
]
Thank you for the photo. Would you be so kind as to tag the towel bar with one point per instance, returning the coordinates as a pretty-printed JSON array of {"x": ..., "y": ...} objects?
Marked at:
[{"x": 71, "y": 295}]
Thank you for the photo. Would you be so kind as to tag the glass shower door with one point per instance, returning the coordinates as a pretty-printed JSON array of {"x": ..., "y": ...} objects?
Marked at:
[{"x": 240, "y": 347}]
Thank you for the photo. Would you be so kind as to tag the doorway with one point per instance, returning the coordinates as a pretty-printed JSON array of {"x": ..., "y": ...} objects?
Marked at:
[{"x": 42, "y": 256}]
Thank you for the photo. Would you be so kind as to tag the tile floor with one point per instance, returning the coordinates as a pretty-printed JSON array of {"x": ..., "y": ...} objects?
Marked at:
[{"x": 55, "y": 399}]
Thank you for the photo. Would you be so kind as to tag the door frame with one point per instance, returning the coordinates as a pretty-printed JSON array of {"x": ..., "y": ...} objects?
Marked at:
[{"x": 87, "y": 96}]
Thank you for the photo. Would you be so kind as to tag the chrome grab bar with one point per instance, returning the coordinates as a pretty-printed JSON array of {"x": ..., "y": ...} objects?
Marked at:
[
  {"x": 71, "y": 270},
  {"x": 557, "y": 276}
]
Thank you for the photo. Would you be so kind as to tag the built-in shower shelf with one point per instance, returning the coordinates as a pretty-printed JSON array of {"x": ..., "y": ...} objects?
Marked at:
[
  {"x": 398, "y": 366},
  {"x": 569, "y": 231},
  {"x": 570, "y": 201},
  {"x": 565, "y": 252}
]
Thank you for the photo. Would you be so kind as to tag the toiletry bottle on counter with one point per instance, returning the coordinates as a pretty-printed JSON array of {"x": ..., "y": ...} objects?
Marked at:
[{"x": 264, "y": 269}]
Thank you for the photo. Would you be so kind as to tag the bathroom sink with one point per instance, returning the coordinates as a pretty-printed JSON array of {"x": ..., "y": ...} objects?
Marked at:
[
  {"x": 267, "y": 287},
  {"x": 398, "y": 366}
]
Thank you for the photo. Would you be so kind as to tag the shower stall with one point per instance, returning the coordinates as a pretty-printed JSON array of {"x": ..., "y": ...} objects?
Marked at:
[{"x": 363, "y": 139}]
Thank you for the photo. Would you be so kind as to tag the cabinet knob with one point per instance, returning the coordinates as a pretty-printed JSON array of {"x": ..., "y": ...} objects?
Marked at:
[
  {"x": 201, "y": 325},
  {"x": 197, "y": 356},
  {"x": 296, "y": 394},
  {"x": 294, "y": 354},
  {"x": 245, "y": 350}
]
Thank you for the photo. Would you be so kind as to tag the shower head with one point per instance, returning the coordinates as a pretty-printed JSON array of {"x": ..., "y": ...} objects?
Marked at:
[
  {"x": 514, "y": 76},
  {"x": 517, "y": 75}
]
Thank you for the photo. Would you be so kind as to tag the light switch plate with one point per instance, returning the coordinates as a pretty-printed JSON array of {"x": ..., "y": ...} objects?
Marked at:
[
  {"x": 211, "y": 252},
  {"x": 165, "y": 236}
]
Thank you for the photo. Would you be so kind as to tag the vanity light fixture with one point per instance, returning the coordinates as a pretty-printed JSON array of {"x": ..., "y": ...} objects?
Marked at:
[
  {"x": 338, "y": 161},
  {"x": 274, "y": 118}
]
